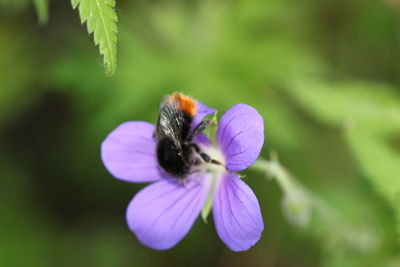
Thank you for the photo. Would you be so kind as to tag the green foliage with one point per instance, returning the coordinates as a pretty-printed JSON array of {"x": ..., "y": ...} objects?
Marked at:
[
  {"x": 370, "y": 115},
  {"x": 16, "y": 93},
  {"x": 19, "y": 233},
  {"x": 42, "y": 9},
  {"x": 380, "y": 162},
  {"x": 101, "y": 20},
  {"x": 13, "y": 5},
  {"x": 375, "y": 107},
  {"x": 338, "y": 136}
]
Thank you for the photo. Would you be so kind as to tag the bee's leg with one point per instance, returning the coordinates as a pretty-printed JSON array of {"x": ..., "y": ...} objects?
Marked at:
[
  {"x": 199, "y": 128},
  {"x": 204, "y": 156}
]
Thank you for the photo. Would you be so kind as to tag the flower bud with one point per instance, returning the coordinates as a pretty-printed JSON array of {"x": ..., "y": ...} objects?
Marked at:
[{"x": 297, "y": 208}]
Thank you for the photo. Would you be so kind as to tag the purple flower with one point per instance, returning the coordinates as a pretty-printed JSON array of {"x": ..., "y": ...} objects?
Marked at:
[{"x": 161, "y": 214}]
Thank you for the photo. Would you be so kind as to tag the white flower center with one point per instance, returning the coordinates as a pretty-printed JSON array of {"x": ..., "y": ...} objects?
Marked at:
[
  {"x": 215, "y": 178},
  {"x": 215, "y": 153}
]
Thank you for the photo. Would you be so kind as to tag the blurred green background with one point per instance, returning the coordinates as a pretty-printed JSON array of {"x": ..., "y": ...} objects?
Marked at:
[{"x": 325, "y": 75}]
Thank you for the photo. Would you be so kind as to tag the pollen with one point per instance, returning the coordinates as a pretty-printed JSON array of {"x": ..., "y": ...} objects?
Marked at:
[{"x": 186, "y": 103}]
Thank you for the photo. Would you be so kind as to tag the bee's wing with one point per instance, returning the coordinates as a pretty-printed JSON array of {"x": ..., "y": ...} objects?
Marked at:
[{"x": 170, "y": 122}]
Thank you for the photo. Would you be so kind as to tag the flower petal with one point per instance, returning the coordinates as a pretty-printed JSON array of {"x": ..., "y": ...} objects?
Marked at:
[
  {"x": 237, "y": 213},
  {"x": 129, "y": 153},
  {"x": 240, "y": 135},
  {"x": 202, "y": 140},
  {"x": 162, "y": 213},
  {"x": 202, "y": 111}
]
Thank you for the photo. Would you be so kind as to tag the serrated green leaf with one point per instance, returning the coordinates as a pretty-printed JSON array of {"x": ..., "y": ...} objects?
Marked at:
[
  {"x": 101, "y": 20},
  {"x": 42, "y": 10}
]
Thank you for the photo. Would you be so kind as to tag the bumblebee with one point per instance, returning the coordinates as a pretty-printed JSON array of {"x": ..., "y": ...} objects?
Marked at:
[{"x": 176, "y": 152}]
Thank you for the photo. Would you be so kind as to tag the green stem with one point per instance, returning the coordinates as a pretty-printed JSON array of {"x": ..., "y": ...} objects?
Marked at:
[{"x": 357, "y": 237}]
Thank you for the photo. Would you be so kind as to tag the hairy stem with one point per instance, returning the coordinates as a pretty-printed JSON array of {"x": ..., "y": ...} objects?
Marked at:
[{"x": 360, "y": 238}]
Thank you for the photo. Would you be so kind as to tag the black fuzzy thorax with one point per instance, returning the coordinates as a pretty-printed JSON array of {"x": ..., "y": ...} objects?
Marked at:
[{"x": 172, "y": 160}]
